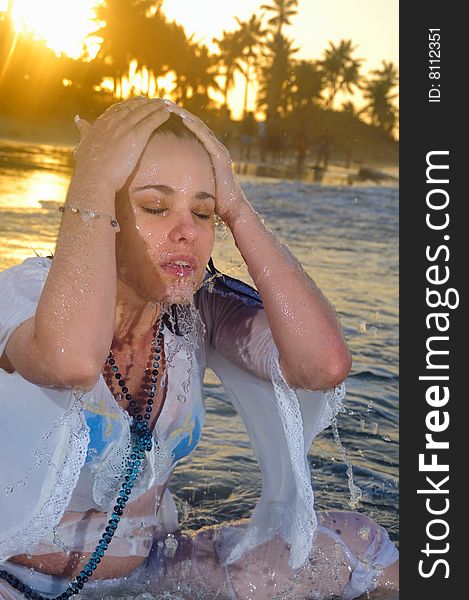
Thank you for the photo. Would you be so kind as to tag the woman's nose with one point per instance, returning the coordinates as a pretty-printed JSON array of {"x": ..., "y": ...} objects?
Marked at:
[{"x": 183, "y": 229}]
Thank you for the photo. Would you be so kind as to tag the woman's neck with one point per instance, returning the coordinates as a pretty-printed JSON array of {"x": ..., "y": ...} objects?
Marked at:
[{"x": 135, "y": 317}]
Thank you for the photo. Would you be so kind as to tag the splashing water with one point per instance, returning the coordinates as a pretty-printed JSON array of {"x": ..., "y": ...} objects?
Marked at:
[{"x": 355, "y": 492}]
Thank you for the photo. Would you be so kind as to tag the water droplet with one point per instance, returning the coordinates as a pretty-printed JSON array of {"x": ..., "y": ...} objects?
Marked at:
[
  {"x": 182, "y": 399},
  {"x": 8, "y": 490},
  {"x": 171, "y": 545},
  {"x": 386, "y": 438},
  {"x": 92, "y": 452},
  {"x": 362, "y": 326},
  {"x": 374, "y": 428},
  {"x": 364, "y": 532}
]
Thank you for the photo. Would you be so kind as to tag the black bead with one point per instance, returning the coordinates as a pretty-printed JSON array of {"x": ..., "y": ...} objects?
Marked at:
[{"x": 117, "y": 375}]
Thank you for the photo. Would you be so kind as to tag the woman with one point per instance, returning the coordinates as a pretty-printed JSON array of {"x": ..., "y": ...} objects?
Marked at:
[{"x": 103, "y": 351}]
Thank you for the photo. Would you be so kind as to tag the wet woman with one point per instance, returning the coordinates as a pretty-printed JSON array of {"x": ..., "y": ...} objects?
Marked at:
[{"x": 103, "y": 351}]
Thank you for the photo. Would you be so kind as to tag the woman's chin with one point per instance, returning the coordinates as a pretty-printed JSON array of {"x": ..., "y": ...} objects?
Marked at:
[{"x": 181, "y": 290}]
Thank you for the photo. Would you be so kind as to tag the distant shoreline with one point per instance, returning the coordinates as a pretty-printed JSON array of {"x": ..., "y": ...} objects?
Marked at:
[
  {"x": 55, "y": 132},
  {"x": 59, "y": 132}
]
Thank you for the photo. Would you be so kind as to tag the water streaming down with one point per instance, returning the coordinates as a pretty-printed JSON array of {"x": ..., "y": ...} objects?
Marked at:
[{"x": 346, "y": 238}]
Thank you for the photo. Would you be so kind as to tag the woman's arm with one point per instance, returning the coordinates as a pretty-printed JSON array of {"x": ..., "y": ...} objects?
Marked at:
[
  {"x": 304, "y": 325},
  {"x": 69, "y": 339}
]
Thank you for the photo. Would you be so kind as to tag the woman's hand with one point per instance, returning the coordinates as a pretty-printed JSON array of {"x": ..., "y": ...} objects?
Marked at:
[
  {"x": 110, "y": 148},
  {"x": 230, "y": 198}
]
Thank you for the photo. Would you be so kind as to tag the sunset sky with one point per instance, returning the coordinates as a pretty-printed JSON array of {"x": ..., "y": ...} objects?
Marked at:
[{"x": 371, "y": 25}]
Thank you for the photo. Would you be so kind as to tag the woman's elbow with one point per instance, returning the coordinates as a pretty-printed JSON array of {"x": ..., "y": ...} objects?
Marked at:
[
  {"x": 327, "y": 373},
  {"x": 337, "y": 368}
]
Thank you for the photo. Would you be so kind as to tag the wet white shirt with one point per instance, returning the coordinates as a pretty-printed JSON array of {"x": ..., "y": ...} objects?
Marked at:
[{"x": 64, "y": 450}]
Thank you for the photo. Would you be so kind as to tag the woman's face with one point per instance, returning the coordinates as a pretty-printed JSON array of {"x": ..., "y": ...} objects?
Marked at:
[{"x": 166, "y": 213}]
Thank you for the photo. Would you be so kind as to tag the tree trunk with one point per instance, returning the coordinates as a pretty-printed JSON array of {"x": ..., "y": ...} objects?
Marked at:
[{"x": 246, "y": 90}]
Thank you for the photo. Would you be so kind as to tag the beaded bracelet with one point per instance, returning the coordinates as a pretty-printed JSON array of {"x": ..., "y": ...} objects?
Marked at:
[{"x": 91, "y": 214}]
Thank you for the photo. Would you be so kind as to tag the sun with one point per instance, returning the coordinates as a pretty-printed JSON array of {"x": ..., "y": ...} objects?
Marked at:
[{"x": 62, "y": 24}]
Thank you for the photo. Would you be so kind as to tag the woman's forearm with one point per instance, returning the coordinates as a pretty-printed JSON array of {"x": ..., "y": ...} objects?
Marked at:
[
  {"x": 75, "y": 316},
  {"x": 304, "y": 325}
]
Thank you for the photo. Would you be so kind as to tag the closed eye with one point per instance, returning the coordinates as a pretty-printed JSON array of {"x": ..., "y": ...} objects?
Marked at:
[
  {"x": 160, "y": 211},
  {"x": 155, "y": 211}
]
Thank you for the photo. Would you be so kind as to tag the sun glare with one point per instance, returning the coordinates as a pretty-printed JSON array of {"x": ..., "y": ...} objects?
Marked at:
[{"x": 63, "y": 24}]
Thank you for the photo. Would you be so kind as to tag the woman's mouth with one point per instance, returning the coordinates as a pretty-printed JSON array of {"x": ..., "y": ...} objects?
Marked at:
[{"x": 179, "y": 268}]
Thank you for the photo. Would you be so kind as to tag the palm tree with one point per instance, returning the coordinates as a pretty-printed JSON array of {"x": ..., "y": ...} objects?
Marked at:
[
  {"x": 341, "y": 70},
  {"x": 121, "y": 26},
  {"x": 275, "y": 75},
  {"x": 231, "y": 48},
  {"x": 307, "y": 83},
  {"x": 378, "y": 92},
  {"x": 278, "y": 56},
  {"x": 283, "y": 11},
  {"x": 196, "y": 72},
  {"x": 250, "y": 34}
]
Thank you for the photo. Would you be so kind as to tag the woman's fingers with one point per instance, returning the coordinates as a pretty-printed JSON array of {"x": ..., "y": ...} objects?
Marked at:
[
  {"x": 151, "y": 121},
  {"x": 83, "y": 127}
]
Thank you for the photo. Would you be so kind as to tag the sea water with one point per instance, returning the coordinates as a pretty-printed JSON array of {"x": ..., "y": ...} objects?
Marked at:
[{"x": 347, "y": 240}]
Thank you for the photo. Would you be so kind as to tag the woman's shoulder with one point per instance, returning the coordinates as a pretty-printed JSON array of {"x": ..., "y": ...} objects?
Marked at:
[
  {"x": 20, "y": 288},
  {"x": 29, "y": 265},
  {"x": 222, "y": 288}
]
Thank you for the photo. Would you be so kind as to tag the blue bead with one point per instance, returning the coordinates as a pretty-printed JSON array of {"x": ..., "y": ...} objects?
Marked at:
[
  {"x": 122, "y": 383},
  {"x": 128, "y": 396}
]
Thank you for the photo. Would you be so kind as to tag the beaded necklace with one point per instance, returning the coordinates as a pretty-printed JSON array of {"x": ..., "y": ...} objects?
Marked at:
[{"x": 142, "y": 440}]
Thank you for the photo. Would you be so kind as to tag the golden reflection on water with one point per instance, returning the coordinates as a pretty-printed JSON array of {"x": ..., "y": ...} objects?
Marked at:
[
  {"x": 29, "y": 219},
  {"x": 25, "y": 189}
]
